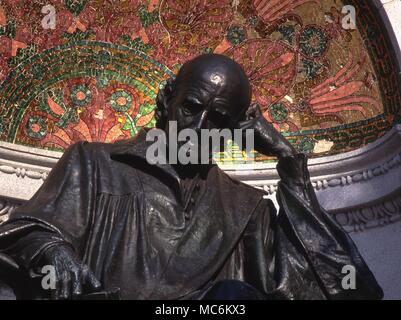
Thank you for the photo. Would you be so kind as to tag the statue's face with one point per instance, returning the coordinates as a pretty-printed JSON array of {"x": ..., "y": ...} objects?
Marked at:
[{"x": 210, "y": 92}]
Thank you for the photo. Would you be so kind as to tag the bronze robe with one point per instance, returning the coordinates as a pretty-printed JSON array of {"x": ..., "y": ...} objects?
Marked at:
[{"x": 126, "y": 220}]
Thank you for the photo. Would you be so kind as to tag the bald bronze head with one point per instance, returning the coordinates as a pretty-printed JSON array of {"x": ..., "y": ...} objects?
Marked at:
[{"x": 210, "y": 91}]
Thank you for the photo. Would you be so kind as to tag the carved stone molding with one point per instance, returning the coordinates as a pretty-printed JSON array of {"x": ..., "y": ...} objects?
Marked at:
[
  {"x": 344, "y": 180},
  {"x": 376, "y": 214},
  {"x": 22, "y": 172}
]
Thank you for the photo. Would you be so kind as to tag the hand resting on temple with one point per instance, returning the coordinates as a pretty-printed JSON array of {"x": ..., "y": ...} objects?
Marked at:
[{"x": 268, "y": 140}]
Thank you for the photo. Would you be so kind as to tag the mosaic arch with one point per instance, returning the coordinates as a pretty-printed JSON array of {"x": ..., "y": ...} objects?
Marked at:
[{"x": 90, "y": 70}]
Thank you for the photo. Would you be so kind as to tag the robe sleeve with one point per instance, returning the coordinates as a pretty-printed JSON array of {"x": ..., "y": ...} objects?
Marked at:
[
  {"x": 59, "y": 212},
  {"x": 325, "y": 246}
]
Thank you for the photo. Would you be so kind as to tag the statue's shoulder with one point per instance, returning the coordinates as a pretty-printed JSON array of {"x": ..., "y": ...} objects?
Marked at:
[{"x": 92, "y": 150}]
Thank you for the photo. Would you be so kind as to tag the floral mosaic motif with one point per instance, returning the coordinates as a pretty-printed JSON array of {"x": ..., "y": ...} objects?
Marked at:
[
  {"x": 278, "y": 112},
  {"x": 265, "y": 59},
  {"x": 36, "y": 127},
  {"x": 313, "y": 42},
  {"x": 121, "y": 101},
  {"x": 81, "y": 95},
  {"x": 115, "y": 115},
  {"x": 236, "y": 35},
  {"x": 96, "y": 75},
  {"x": 340, "y": 93},
  {"x": 93, "y": 101}
]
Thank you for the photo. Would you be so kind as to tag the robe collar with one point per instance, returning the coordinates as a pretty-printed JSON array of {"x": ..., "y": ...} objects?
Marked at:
[{"x": 136, "y": 148}]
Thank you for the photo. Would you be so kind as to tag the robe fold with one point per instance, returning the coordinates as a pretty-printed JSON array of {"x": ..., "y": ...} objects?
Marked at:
[{"x": 126, "y": 220}]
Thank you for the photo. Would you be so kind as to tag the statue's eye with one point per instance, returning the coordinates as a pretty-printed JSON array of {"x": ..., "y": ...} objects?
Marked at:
[{"x": 191, "y": 109}]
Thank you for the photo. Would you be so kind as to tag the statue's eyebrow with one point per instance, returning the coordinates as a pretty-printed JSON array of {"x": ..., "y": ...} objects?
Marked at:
[
  {"x": 193, "y": 99},
  {"x": 219, "y": 105}
]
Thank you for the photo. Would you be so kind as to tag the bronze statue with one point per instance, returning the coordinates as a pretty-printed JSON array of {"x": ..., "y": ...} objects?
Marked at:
[{"x": 105, "y": 218}]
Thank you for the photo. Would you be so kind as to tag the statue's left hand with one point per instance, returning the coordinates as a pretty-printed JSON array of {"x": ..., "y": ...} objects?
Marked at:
[
  {"x": 268, "y": 140},
  {"x": 73, "y": 278}
]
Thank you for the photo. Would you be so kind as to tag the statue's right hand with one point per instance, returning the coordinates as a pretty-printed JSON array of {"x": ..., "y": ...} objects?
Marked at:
[{"x": 73, "y": 278}]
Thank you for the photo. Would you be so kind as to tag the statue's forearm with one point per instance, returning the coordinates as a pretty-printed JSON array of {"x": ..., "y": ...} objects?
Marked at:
[
  {"x": 294, "y": 173},
  {"x": 326, "y": 245},
  {"x": 273, "y": 145},
  {"x": 28, "y": 249}
]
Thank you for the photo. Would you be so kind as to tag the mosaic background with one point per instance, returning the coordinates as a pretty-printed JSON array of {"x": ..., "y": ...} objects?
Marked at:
[{"x": 95, "y": 73}]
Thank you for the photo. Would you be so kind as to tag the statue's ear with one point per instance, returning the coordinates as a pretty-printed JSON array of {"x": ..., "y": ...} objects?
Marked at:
[{"x": 163, "y": 96}]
